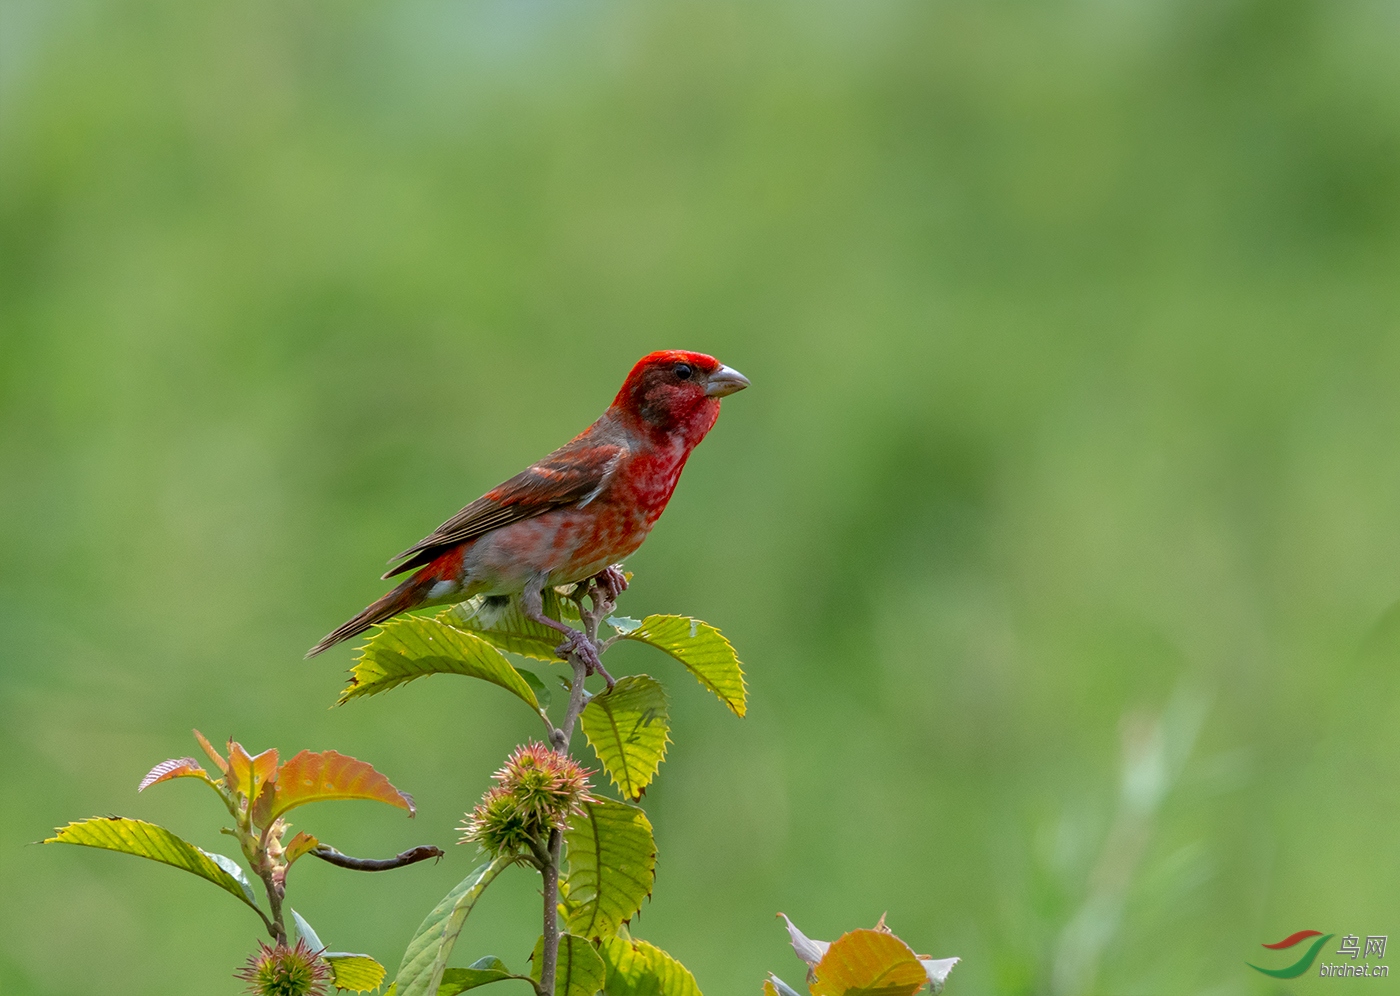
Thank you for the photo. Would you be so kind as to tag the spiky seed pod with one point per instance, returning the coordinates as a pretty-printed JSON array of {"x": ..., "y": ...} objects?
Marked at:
[
  {"x": 548, "y": 784},
  {"x": 284, "y": 971},
  {"x": 536, "y": 790},
  {"x": 500, "y": 824}
]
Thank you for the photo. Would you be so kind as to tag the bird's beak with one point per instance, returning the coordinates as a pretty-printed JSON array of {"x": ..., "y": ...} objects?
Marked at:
[{"x": 725, "y": 381}]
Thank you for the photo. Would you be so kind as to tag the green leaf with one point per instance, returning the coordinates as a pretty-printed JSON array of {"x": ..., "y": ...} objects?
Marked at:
[
  {"x": 459, "y": 980},
  {"x": 541, "y": 690},
  {"x": 409, "y": 647},
  {"x": 627, "y": 727},
  {"x": 578, "y": 972},
  {"x": 612, "y": 865},
  {"x": 302, "y": 929},
  {"x": 701, "y": 648},
  {"x": 358, "y": 973},
  {"x": 623, "y": 624},
  {"x": 146, "y": 840},
  {"x": 505, "y": 626},
  {"x": 425, "y": 959},
  {"x": 636, "y": 968}
]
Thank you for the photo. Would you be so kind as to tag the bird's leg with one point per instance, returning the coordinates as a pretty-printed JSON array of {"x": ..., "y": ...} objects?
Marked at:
[{"x": 579, "y": 644}]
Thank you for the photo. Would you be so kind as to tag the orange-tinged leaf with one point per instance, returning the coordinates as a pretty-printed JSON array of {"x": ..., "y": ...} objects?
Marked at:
[
  {"x": 868, "y": 963},
  {"x": 214, "y": 755},
  {"x": 176, "y": 767},
  {"x": 317, "y": 777},
  {"x": 247, "y": 775},
  {"x": 303, "y": 843}
]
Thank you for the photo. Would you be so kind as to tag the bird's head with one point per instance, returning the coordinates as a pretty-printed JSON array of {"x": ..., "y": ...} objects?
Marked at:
[{"x": 676, "y": 390}]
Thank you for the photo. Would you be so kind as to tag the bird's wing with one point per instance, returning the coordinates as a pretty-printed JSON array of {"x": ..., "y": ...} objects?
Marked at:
[{"x": 574, "y": 474}]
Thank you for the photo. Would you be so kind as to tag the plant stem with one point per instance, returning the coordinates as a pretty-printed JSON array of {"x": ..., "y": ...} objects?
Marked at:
[
  {"x": 412, "y": 856},
  {"x": 602, "y": 604},
  {"x": 550, "y": 958}
]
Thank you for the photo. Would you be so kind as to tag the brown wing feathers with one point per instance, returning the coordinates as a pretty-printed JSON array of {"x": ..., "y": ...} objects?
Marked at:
[{"x": 568, "y": 475}]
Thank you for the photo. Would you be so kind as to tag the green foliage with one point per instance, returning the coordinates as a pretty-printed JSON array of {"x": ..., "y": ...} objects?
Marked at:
[
  {"x": 425, "y": 959},
  {"x": 700, "y": 647},
  {"x": 357, "y": 973},
  {"x": 580, "y": 971},
  {"x": 612, "y": 865},
  {"x": 508, "y": 628},
  {"x": 628, "y": 728},
  {"x": 409, "y": 647},
  {"x": 458, "y": 980},
  {"x": 146, "y": 840},
  {"x": 636, "y": 968}
]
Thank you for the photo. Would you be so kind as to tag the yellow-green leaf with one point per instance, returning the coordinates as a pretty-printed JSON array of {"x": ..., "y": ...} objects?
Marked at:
[
  {"x": 409, "y": 647},
  {"x": 501, "y": 623},
  {"x": 868, "y": 963},
  {"x": 425, "y": 960},
  {"x": 578, "y": 972},
  {"x": 459, "y": 980},
  {"x": 247, "y": 775},
  {"x": 636, "y": 968},
  {"x": 300, "y": 845},
  {"x": 627, "y": 727},
  {"x": 146, "y": 840},
  {"x": 359, "y": 973},
  {"x": 612, "y": 865},
  {"x": 702, "y": 649}
]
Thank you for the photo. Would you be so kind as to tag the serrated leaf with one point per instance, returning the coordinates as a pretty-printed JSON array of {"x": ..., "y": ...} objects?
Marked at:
[
  {"x": 321, "y": 777},
  {"x": 358, "y": 973},
  {"x": 303, "y": 930},
  {"x": 178, "y": 767},
  {"x": 425, "y": 959},
  {"x": 578, "y": 971},
  {"x": 623, "y": 624},
  {"x": 938, "y": 969},
  {"x": 702, "y": 649},
  {"x": 247, "y": 775},
  {"x": 147, "y": 840},
  {"x": 868, "y": 963},
  {"x": 612, "y": 865},
  {"x": 458, "y": 980},
  {"x": 637, "y": 968},
  {"x": 299, "y": 846},
  {"x": 628, "y": 729},
  {"x": 506, "y": 626},
  {"x": 409, "y": 647}
]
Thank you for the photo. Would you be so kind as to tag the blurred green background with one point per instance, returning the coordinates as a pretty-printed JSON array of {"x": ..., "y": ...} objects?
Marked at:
[{"x": 1057, "y": 532}]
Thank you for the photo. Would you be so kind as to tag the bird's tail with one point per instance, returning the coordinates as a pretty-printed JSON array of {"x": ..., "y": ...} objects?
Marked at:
[{"x": 408, "y": 595}]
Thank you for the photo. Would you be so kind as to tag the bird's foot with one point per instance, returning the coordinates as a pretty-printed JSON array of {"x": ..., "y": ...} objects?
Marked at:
[
  {"x": 580, "y": 646},
  {"x": 612, "y": 581}
]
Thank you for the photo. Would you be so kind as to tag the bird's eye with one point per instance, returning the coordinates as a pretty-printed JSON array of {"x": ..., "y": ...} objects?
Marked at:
[{"x": 682, "y": 371}]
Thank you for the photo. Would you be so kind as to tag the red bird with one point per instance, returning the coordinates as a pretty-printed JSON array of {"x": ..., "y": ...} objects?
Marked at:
[{"x": 570, "y": 516}]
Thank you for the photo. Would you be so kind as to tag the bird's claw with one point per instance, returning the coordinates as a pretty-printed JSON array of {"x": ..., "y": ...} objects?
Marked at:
[
  {"x": 580, "y": 646},
  {"x": 612, "y": 580}
]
